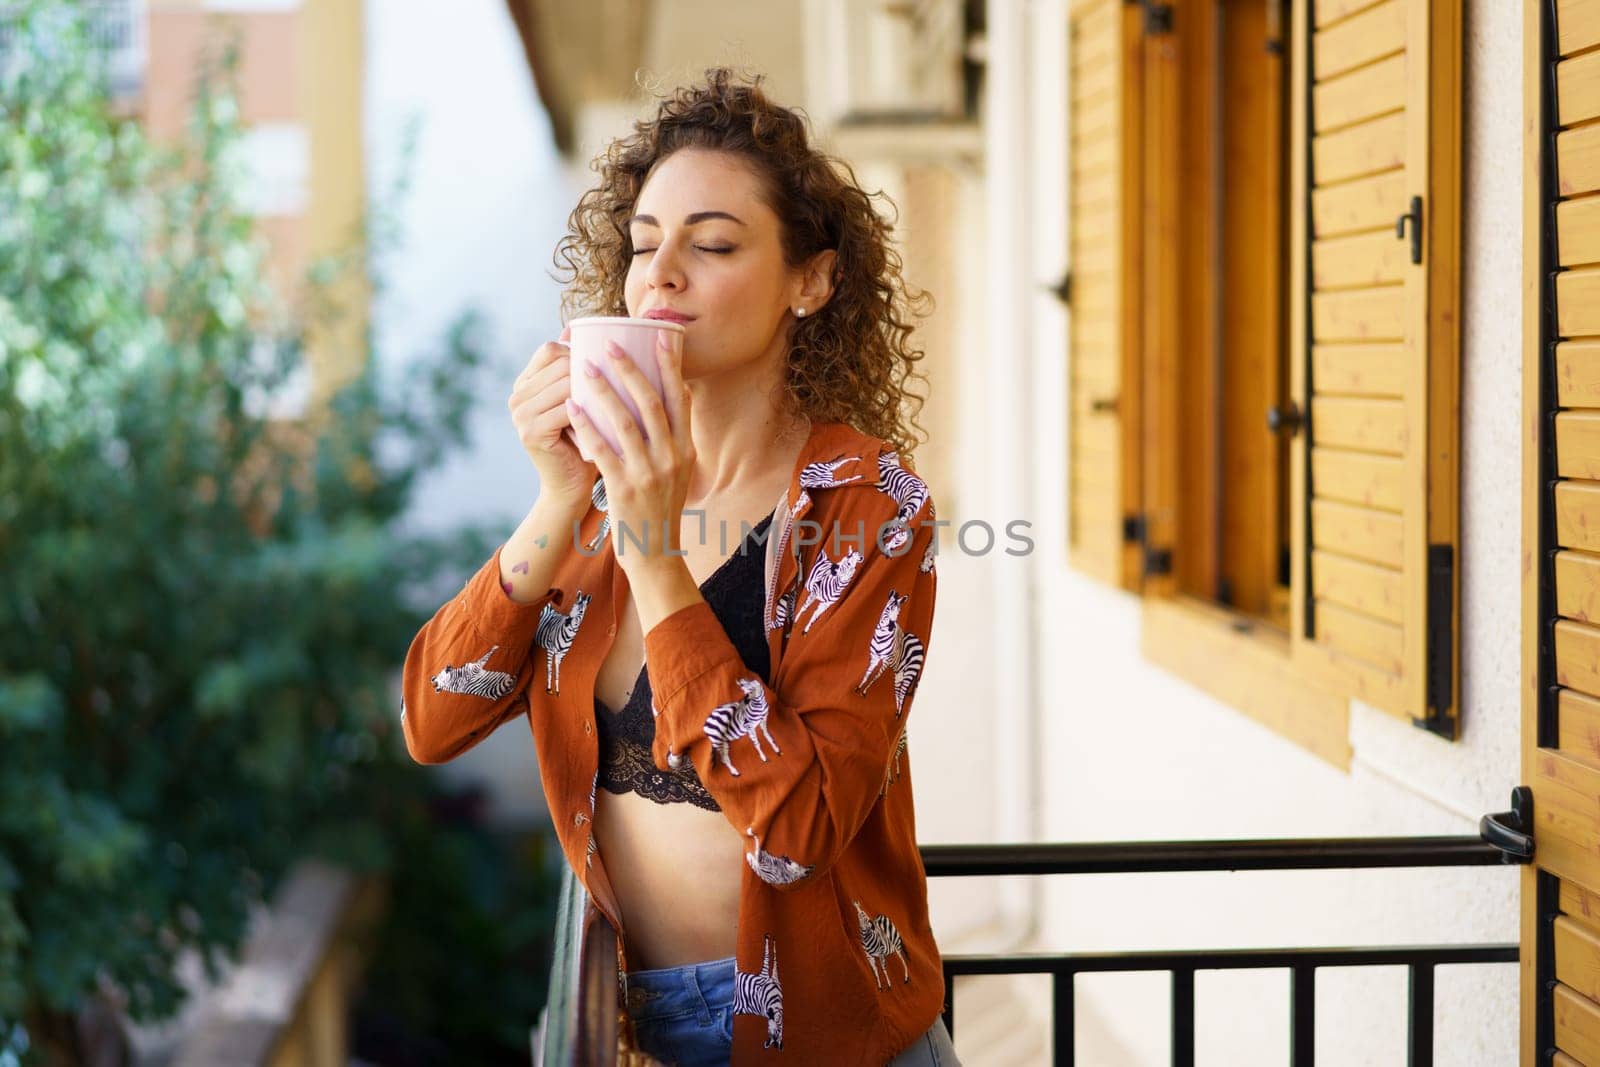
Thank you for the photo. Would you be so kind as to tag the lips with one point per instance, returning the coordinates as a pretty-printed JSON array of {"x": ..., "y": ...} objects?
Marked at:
[{"x": 668, "y": 315}]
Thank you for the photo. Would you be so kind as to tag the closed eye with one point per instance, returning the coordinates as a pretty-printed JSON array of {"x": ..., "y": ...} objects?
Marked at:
[{"x": 702, "y": 248}]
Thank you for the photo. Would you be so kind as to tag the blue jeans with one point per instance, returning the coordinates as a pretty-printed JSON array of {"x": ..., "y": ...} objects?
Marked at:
[{"x": 684, "y": 1016}]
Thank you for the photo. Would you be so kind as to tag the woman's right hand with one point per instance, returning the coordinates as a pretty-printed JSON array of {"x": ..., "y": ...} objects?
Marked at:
[{"x": 539, "y": 412}]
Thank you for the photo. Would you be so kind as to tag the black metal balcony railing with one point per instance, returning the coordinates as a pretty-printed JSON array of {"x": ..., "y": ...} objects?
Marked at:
[
  {"x": 583, "y": 1033},
  {"x": 1248, "y": 855}
]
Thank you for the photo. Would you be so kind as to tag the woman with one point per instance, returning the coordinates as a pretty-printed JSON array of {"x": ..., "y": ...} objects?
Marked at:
[{"x": 721, "y": 736}]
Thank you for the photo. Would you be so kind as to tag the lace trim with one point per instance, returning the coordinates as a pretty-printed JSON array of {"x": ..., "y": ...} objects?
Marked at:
[{"x": 626, "y": 767}]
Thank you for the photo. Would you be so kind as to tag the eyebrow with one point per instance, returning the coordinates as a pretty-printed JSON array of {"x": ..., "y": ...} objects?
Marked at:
[{"x": 698, "y": 216}]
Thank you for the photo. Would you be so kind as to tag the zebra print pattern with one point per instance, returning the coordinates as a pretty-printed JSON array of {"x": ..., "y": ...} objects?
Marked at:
[
  {"x": 773, "y": 870},
  {"x": 927, "y": 558},
  {"x": 784, "y": 611},
  {"x": 908, "y": 491},
  {"x": 826, "y": 583},
  {"x": 761, "y": 994},
  {"x": 740, "y": 718},
  {"x": 598, "y": 496},
  {"x": 880, "y": 940},
  {"x": 896, "y": 650},
  {"x": 820, "y": 475},
  {"x": 472, "y": 679},
  {"x": 592, "y": 848},
  {"x": 555, "y": 635},
  {"x": 893, "y": 773}
]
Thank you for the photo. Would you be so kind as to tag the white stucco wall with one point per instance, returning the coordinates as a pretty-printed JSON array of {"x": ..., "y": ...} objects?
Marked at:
[{"x": 1130, "y": 752}]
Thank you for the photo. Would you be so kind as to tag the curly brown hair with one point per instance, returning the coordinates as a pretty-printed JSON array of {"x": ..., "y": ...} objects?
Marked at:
[{"x": 852, "y": 360}]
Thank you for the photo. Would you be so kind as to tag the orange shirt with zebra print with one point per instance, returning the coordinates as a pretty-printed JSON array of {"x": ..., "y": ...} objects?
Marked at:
[{"x": 836, "y": 958}]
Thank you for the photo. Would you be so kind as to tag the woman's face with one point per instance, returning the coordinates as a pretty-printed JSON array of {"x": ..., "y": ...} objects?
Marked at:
[{"x": 708, "y": 252}]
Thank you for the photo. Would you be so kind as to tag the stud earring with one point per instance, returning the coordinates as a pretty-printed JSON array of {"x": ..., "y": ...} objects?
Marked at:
[{"x": 799, "y": 313}]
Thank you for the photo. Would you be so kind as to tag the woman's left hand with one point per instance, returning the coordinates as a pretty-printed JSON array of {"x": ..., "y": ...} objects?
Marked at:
[{"x": 646, "y": 484}]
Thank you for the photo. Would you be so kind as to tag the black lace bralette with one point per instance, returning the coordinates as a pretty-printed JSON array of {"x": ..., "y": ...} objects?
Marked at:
[{"x": 736, "y": 593}]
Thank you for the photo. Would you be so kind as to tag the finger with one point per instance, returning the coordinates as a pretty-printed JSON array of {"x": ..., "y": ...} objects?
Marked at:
[
  {"x": 608, "y": 404},
  {"x": 674, "y": 390},
  {"x": 591, "y": 442},
  {"x": 542, "y": 358},
  {"x": 651, "y": 413},
  {"x": 559, "y": 370},
  {"x": 546, "y": 400}
]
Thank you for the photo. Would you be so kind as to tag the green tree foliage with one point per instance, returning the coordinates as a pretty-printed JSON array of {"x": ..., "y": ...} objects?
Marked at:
[{"x": 203, "y": 609}]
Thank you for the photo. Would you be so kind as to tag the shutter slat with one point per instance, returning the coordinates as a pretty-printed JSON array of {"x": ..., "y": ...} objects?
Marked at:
[
  {"x": 1356, "y": 477},
  {"x": 1578, "y": 444},
  {"x": 1578, "y": 729},
  {"x": 1360, "y": 94},
  {"x": 1578, "y": 373},
  {"x": 1578, "y": 586},
  {"x": 1577, "y": 25},
  {"x": 1365, "y": 204},
  {"x": 1366, "y": 148},
  {"x": 1578, "y": 657},
  {"x": 1363, "y": 260},
  {"x": 1331, "y": 11},
  {"x": 1578, "y": 88},
  {"x": 1360, "y": 39},
  {"x": 1578, "y": 302},
  {"x": 1358, "y": 370},
  {"x": 1359, "y": 315},
  {"x": 1364, "y": 587},
  {"x": 1365, "y": 533},
  {"x": 1578, "y": 230},
  {"x": 1370, "y": 640},
  {"x": 1577, "y": 957},
  {"x": 1578, "y": 160},
  {"x": 1360, "y": 423},
  {"x": 1577, "y": 506}
]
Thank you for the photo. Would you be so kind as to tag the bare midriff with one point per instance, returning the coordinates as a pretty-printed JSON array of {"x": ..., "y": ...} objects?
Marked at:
[{"x": 675, "y": 868}]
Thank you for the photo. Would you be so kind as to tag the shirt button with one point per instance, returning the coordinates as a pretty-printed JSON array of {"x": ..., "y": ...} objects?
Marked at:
[
  {"x": 588, "y": 727},
  {"x": 611, "y": 631}
]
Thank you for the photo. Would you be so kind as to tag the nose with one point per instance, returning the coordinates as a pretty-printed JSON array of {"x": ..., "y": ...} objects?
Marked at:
[{"x": 666, "y": 268}]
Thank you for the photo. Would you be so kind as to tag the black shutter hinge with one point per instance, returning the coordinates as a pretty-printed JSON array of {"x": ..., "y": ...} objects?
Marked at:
[
  {"x": 1441, "y": 641},
  {"x": 1157, "y": 19},
  {"x": 1135, "y": 530}
]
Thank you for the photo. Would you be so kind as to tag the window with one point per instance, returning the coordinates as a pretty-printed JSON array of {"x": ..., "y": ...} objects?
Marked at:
[{"x": 1264, "y": 343}]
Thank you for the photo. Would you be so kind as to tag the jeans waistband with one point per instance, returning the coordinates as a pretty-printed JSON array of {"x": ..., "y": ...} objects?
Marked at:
[{"x": 693, "y": 989}]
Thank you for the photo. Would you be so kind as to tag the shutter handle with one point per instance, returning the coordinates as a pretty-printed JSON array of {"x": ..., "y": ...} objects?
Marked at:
[
  {"x": 1284, "y": 418},
  {"x": 1103, "y": 405},
  {"x": 1512, "y": 831},
  {"x": 1414, "y": 217}
]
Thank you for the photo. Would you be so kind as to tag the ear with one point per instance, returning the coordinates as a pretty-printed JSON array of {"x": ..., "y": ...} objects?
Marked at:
[{"x": 815, "y": 285}]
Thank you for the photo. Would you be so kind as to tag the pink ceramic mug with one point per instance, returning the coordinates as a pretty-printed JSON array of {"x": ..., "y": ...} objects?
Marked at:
[{"x": 637, "y": 339}]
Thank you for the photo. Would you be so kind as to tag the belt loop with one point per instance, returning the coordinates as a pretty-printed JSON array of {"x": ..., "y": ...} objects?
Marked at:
[{"x": 691, "y": 981}]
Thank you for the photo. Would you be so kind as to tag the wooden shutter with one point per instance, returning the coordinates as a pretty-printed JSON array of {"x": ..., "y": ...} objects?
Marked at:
[
  {"x": 1561, "y": 531},
  {"x": 1375, "y": 351},
  {"x": 1103, "y": 249}
]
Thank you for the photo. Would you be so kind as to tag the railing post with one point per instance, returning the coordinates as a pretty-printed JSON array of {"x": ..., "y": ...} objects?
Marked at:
[
  {"x": 1064, "y": 1022},
  {"x": 1183, "y": 1018},
  {"x": 1420, "y": 1021},
  {"x": 1303, "y": 1016}
]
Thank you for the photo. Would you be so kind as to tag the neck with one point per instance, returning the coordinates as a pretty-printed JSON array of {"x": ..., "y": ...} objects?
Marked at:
[{"x": 741, "y": 434}]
